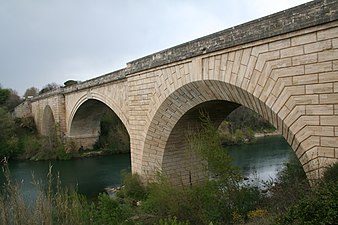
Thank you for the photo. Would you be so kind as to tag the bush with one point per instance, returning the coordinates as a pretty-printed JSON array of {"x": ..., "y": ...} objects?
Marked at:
[
  {"x": 109, "y": 211},
  {"x": 318, "y": 206},
  {"x": 290, "y": 185},
  {"x": 133, "y": 187},
  {"x": 331, "y": 174},
  {"x": 113, "y": 137},
  {"x": 171, "y": 221}
]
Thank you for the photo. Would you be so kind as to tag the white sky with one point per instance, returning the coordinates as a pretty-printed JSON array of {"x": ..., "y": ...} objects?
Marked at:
[{"x": 44, "y": 41}]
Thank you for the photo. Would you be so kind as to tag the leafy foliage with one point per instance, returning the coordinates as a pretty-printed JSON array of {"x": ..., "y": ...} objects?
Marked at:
[
  {"x": 8, "y": 138},
  {"x": 241, "y": 125},
  {"x": 290, "y": 185},
  {"x": 70, "y": 83},
  {"x": 49, "y": 87},
  {"x": 32, "y": 91},
  {"x": 114, "y": 137},
  {"x": 317, "y": 205}
]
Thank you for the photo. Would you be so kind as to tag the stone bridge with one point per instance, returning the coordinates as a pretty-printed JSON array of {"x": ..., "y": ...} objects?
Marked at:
[{"x": 283, "y": 66}]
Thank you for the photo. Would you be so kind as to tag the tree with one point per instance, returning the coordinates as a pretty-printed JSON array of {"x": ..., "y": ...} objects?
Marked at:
[
  {"x": 13, "y": 100},
  {"x": 32, "y": 91},
  {"x": 8, "y": 139},
  {"x": 70, "y": 83},
  {"x": 49, "y": 87},
  {"x": 4, "y": 94},
  {"x": 9, "y": 98}
]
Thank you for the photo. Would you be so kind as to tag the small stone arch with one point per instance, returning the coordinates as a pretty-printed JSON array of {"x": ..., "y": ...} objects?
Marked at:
[
  {"x": 84, "y": 127},
  {"x": 110, "y": 103}
]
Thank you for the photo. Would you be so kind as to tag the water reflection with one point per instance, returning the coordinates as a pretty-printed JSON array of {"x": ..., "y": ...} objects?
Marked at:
[
  {"x": 88, "y": 175},
  {"x": 91, "y": 175},
  {"x": 263, "y": 158}
]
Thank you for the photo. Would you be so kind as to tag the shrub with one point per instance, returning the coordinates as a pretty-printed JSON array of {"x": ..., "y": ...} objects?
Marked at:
[
  {"x": 331, "y": 174},
  {"x": 318, "y": 206},
  {"x": 52, "y": 205},
  {"x": 171, "y": 221},
  {"x": 133, "y": 187},
  {"x": 290, "y": 185},
  {"x": 109, "y": 211}
]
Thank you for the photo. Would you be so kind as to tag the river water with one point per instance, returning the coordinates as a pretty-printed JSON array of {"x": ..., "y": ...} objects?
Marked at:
[{"x": 91, "y": 175}]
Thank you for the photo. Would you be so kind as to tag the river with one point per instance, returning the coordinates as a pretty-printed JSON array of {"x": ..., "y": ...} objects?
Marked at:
[{"x": 91, "y": 175}]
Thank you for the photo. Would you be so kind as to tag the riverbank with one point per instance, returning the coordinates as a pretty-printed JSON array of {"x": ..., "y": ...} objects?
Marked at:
[{"x": 267, "y": 134}]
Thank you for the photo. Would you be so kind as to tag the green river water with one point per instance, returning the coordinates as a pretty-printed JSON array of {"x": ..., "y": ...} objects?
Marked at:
[{"x": 91, "y": 175}]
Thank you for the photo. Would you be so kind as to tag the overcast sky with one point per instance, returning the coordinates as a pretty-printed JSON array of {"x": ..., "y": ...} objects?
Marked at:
[{"x": 44, "y": 41}]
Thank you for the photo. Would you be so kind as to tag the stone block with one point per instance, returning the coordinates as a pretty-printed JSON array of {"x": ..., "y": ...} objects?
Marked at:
[
  {"x": 326, "y": 152},
  {"x": 319, "y": 88},
  {"x": 302, "y": 100},
  {"x": 328, "y": 77},
  {"x": 329, "y": 141},
  {"x": 329, "y": 120},
  {"x": 286, "y": 72},
  {"x": 259, "y": 49},
  {"x": 318, "y": 67},
  {"x": 280, "y": 44},
  {"x": 304, "y": 59},
  {"x": 319, "y": 109},
  {"x": 327, "y": 55},
  {"x": 328, "y": 98},
  {"x": 327, "y": 34},
  {"x": 292, "y": 51},
  {"x": 311, "y": 142},
  {"x": 335, "y": 42},
  {"x": 317, "y": 46},
  {"x": 335, "y": 65},
  {"x": 304, "y": 39}
]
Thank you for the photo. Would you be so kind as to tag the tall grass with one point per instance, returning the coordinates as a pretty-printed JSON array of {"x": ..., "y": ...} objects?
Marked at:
[{"x": 53, "y": 204}]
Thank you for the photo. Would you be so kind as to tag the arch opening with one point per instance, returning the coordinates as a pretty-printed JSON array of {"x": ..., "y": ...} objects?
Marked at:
[
  {"x": 95, "y": 125},
  {"x": 179, "y": 111}
]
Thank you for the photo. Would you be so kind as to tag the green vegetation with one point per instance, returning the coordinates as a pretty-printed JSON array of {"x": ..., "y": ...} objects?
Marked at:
[
  {"x": 221, "y": 200},
  {"x": 318, "y": 205},
  {"x": 224, "y": 199},
  {"x": 49, "y": 87},
  {"x": 19, "y": 137},
  {"x": 70, "y": 83},
  {"x": 114, "y": 137},
  {"x": 241, "y": 125}
]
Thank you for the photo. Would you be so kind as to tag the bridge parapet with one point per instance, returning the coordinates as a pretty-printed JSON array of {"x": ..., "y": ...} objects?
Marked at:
[{"x": 104, "y": 79}]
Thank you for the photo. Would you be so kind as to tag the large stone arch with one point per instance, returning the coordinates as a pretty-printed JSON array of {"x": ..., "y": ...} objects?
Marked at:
[
  {"x": 84, "y": 122},
  {"x": 164, "y": 144},
  {"x": 286, "y": 80}
]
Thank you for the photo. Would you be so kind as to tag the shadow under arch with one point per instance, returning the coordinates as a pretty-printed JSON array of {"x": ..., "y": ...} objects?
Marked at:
[
  {"x": 48, "y": 127},
  {"x": 164, "y": 142},
  {"x": 110, "y": 103},
  {"x": 85, "y": 124}
]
